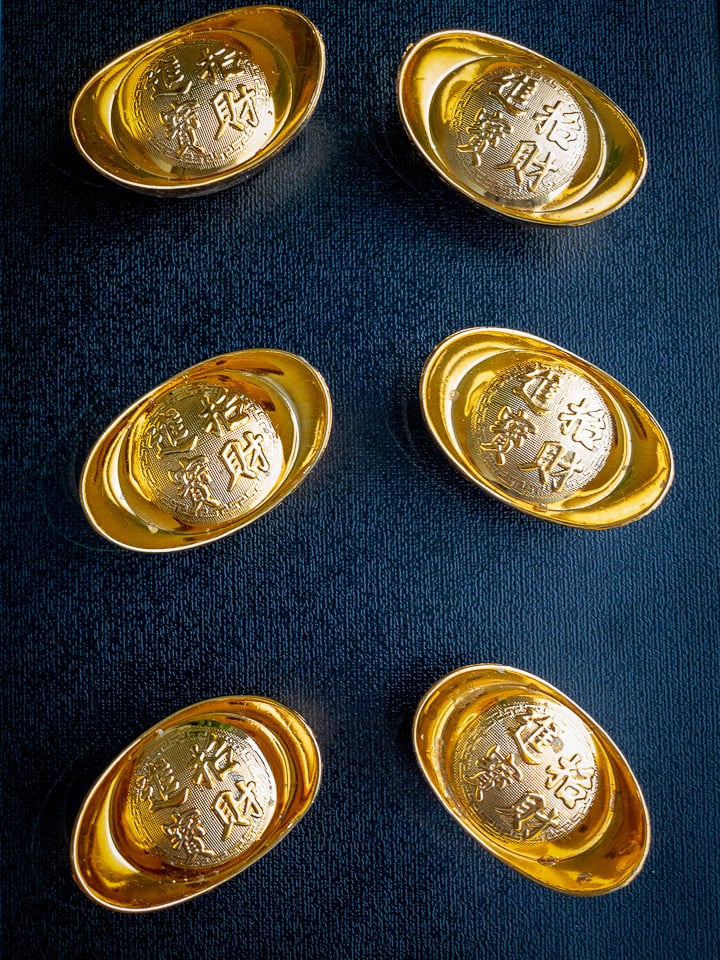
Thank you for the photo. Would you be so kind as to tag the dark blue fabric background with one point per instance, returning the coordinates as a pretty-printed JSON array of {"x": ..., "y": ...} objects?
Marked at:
[{"x": 385, "y": 570}]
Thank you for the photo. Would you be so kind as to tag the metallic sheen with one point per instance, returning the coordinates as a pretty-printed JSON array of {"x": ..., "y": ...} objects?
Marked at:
[
  {"x": 207, "y": 452},
  {"x": 194, "y": 801},
  {"x": 544, "y": 430},
  {"x": 532, "y": 778},
  {"x": 202, "y": 106},
  {"x": 517, "y": 132}
]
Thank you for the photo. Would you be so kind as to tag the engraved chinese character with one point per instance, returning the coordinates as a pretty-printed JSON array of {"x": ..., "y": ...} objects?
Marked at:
[
  {"x": 219, "y": 65},
  {"x": 555, "y": 465},
  {"x": 193, "y": 480},
  {"x": 244, "y": 460},
  {"x": 235, "y": 111},
  {"x": 487, "y": 130},
  {"x": 212, "y": 762},
  {"x": 187, "y": 833},
  {"x": 529, "y": 815},
  {"x": 160, "y": 787},
  {"x": 181, "y": 121},
  {"x": 223, "y": 414},
  {"x": 514, "y": 90},
  {"x": 529, "y": 168},
  {"x": 495, "y": 771},
  {"x": 538, "y": 387},
  {"x": 558, "y": 126},
  {"x": 510, "y": 430},
  {"x": 169, "y": 433},
  {"x": 535, "y": 733},
  {"x": 166, "y": 79},
  {"x": 585, "y": 426},
  {"x": 235, "y": 809},
  {"x": 570, "y": 781}
]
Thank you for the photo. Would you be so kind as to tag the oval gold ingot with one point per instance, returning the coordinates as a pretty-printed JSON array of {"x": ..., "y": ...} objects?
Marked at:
[
  {"x": 207, "y": 452},
  {"x": 544, "y": 430},
  {"x": 517, "y": 132},
  {"x": 194, "y": 801},
  {"x": 202, "y": 106},
  {"x": 532, "y": 778}
]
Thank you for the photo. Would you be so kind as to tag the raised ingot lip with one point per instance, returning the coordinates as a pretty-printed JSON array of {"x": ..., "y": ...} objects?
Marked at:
[
  {"x": 639, "y": 469},
  {"x": 113, "y": 869},
  {"x": 608, "y": 848},
  {"x": 615, "y": 160},
  {"x": 294, "y": 399},
  {"x": 285, "y": 41}
]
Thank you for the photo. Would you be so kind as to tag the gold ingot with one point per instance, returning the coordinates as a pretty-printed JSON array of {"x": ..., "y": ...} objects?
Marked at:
[
  {"x": 544, "y": 430},
  {"x": 517, "y": 132},
  {"x": 194, "y": 801},
  {"x": 207, "y": 452},
  {"x": 533, "y": 779},
  {"x": 203, "y": 106}
]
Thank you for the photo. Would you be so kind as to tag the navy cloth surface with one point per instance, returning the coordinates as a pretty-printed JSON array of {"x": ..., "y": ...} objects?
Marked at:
[{"x": 385, "y": 569}]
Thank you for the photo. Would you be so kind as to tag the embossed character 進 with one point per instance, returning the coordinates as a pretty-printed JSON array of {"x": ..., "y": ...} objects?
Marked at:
[
  {"x": 536, "y": 731},
  {"x": 514, "y": 90},
  {"x": 160, "y": 787},
  {"x": 168, "y": 432},
  {"x": 538, "y": 387},
  {"x": 166, "y": 79}
]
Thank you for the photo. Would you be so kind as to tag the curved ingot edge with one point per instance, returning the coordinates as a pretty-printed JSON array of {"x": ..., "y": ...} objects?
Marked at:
[
  {"x": 98, "y": 144},
  {"x": 106, "y": 492},
  {"x": 604, "y": 863},
  {"x": 105, "y": 872},
  {"x": 638, "y": 474},
  {"x": 614, "y": 185}
]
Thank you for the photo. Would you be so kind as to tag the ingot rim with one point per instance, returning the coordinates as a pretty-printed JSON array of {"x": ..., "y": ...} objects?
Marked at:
[
  {"x": 133, "y": 177},
  {"x": 108, "y": 889},
  {"x": 590, "y": 205},
  {"x": 535, "y": 869},
  {"x": 630, "y": 495},
  {"x": 309, "y": 444}
]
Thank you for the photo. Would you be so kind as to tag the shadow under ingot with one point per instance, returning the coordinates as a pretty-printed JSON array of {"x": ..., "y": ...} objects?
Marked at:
[
  {"x": 544, "y": 430},
  {"x": 194, "y": 801},
  {"x": 516, "y": 132},
  {"x": 207, "y": 452},
  {"x": 202, "y": 106},
  {"x": 533, "y": 779}
]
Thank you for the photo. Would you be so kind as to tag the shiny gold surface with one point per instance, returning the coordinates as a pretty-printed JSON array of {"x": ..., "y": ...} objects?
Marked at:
[
  {"x": 532, "y": 778},
  {"x": 517, "y": 132},
  {"x": 544, "y": 430},
  {"x": 192, "y": 802},
  {"x": 202, "y": 106},
  {"x": 207, "y": 452}
]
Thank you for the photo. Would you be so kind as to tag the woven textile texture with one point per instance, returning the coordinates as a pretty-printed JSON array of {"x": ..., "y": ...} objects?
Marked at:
[{"x": 385, "y": 569}]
